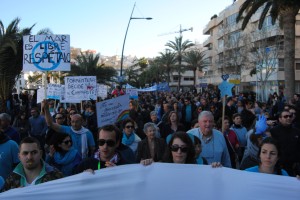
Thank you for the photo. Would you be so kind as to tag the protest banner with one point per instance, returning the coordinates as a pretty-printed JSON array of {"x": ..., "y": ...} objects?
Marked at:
[
  {"x": 46, "y": 53},
  {"x": 53, "y": 91},
  {"x": 40, "y": 95},
  {"x": 101, "y": 91},
  {"x": 112, "y": 110},
  {"x": 161, "y": 181},
  {"x": 133, "y": 93},
  {"x": 79, "y": 88}
]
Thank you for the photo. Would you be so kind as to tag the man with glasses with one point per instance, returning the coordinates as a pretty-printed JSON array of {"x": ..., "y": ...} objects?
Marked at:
[
  {"x": 108, "y": 154},
  {"x": 32, "y": 170},
  {"x": 288, "y": 138}
]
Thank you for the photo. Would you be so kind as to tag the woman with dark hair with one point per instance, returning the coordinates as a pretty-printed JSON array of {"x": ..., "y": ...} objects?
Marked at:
[
  {"x": 172, "y": 126},
  {"x": 130, "y": 138},
  {"x": 268, "y": 155},
  {"x": 21, "y": 124},
  {"x": 62, "y": 155},
  {"x": 180, "y": 149}
]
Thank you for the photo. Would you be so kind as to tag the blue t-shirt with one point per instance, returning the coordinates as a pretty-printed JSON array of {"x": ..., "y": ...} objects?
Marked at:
[
  {"x": 256, "y": 169},
  {"x": 8, "y": 157},
  {"x": 77, "y": 140}
]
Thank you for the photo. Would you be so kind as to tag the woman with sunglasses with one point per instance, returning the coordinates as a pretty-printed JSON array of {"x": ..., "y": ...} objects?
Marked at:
[
  {"x": 130, "y": 138},
  {"x": 62, "y": 155},
  {"x": 268, "y": 155}
]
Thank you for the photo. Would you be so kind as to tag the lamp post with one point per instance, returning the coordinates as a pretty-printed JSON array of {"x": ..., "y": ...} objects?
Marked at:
[{"x": 122, "y": 57}]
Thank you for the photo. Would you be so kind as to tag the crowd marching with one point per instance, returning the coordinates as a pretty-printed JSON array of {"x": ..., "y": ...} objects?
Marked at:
[{"x": 39, "y": 143}]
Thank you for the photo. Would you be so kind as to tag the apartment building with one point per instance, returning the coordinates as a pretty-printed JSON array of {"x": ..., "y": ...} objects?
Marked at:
[{"x": 240, "y": 53}]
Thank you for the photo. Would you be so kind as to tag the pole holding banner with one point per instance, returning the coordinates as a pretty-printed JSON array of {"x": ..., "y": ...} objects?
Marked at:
[
  {"x": 225, "y": 89},
  {"x": 45, "y": 84}
]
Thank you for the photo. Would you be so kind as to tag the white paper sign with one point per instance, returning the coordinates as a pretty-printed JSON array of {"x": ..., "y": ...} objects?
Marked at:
[
  {"x": 53, "y": 91},
  {"x": 102, "y": 91},
  {"x": 79, "y": 88},
  {"x": 40, "y": 95},
  {"x": 133, "y": 92},
  {"x": 46, "y": 53},
  {"x": 112, "y": 110}
]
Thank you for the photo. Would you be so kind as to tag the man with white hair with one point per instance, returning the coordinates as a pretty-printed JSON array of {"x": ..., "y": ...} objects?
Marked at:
[{"x": 214, "y": 147}]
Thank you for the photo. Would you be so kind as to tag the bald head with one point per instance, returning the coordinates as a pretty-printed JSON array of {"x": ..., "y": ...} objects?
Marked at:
[{"x": 76, "y": 121}]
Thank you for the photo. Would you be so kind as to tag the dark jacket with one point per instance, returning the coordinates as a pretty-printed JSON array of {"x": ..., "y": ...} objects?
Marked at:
[
  {"x": 288, "y": 138},
  {"x": 49, "y": 173},
  {"x": 143, "y": 150},
  {"x": 93, "y": 163}
]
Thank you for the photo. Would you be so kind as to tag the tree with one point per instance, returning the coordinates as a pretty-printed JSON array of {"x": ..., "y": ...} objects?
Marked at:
[
  {"x": 11, "y": 57},
  {"x": 264, "y": 56},
  {"x": 88, "y": 66},
  {"x": 167, "y": 60},
  {"x": 195, "y": 60},
  {"x": 179, "y": 47},
  {"x": 287, "y": 11}
]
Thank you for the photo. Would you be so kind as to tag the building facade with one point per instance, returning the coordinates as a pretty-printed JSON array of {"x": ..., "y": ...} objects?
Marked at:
[{"x": 240, "y": 53}]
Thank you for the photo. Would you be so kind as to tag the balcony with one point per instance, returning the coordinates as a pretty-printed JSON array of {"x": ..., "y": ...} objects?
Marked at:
[
  {"x": 207, "y": 42},
  {"x": 211, "y": 24}
]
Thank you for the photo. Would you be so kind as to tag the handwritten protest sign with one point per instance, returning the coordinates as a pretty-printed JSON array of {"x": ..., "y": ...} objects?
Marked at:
[
  {"x": 40, "y": 95},
  {"x": 102, "y": 91},
  {"x": 79, "y": 88},
  {"x": 46, "y": 53},
  {"x": 54, "y": 91},
  {"x": 133, "y": 93},
  {"x": 112, "y": 110}
]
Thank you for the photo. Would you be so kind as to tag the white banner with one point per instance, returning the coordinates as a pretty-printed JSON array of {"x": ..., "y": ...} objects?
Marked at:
[
  {"x": 40, "y": 95},
  {"x": 102, "y": 91},
  {"x": 161, "y": 181},
  {"x": 79, "y": 88},
  {"x": 112, "y": 110},
  {"x": 46, "y": 53}
]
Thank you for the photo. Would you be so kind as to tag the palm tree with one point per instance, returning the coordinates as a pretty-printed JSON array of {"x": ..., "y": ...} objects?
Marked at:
[
  {"x": 88, "y": 66},
  {"x": 179, "y": 47},
  {"x": 195, "y": 60},
  {"x": 11, "y": 57},
  {"x": 286, "y": 10},
  {"x": 167, "y": 60}
]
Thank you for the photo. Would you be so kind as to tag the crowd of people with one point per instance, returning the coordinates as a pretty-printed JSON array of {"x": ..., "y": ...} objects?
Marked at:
[{"x": 186, "y": 128}]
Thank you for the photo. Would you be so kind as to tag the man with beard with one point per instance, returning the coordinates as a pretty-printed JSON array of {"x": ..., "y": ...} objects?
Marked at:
[{"x": 32, "y": 170}]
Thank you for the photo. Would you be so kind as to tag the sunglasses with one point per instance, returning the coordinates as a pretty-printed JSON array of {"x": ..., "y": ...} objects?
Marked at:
[
  {"x": 175, "y": 148},
  {"x": 287, "y": 116},
  {"x": 129, "y": 127},
  {"x": 110, "y": 143},
  {"x": 67, "y": 142}
]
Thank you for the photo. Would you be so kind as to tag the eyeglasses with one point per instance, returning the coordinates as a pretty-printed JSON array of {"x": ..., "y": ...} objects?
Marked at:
[
  {"x": 129, "y": 127},
  {"x": 175, "y": 148},
  {"x": 287, "y": 116},
  {"x": 67, "y": 142},
  {"x": 110, "y": 143}
]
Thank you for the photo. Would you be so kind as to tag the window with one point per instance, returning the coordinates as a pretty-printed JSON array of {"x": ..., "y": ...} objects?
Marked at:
[
  {"x": 220, "y": 43},
  {"x": 232, "y": 19},
  {"x": 297, "y": 66},
  {"x": 281, "y": 65},
  {"x": 175, "y": 78},
  {"x": 188, "y": 78}
]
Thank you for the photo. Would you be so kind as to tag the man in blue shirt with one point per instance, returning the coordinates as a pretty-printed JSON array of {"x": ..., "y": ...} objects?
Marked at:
[
  {"x": 213, "y": 143},
  {"x": 82, "y": 138},
  {"x": 8, "y": 155},
  {"x": 5, "y": 126}
]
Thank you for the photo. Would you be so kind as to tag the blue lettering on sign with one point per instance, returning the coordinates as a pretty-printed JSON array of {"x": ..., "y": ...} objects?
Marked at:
[{"x": 49, "y": 55}]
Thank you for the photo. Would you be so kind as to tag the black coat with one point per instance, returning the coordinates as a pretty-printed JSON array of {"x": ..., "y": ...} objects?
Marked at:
[{"x": 143, "y": 150}]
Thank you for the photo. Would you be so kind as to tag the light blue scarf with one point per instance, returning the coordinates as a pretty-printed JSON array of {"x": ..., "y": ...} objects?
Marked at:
[
  {"x": 66, "y": 161},
  {"x": 128, "y": 140}
]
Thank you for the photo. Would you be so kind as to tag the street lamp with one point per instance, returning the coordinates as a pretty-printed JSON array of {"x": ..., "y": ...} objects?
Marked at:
[{"x": 147, "y": 18}]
